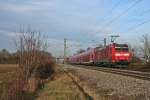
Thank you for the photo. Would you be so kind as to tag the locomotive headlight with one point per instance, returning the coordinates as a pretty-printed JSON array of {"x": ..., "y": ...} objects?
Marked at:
[
  {"x": 126, "y": 54},
  {"x": 117, "y": 54}
]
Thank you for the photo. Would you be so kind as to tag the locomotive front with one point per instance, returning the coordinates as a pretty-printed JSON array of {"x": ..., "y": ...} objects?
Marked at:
[{"x": 121, "y": 54}]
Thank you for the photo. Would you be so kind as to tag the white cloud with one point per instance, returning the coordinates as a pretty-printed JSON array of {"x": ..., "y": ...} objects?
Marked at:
[{"x": 25, "y": 7}]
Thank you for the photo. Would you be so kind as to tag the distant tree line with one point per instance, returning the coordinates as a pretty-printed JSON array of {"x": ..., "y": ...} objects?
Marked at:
[{"x": 8, "y": 58}]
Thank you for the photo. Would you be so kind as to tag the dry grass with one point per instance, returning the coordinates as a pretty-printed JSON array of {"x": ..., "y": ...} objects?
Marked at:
[
  {"x": 4, "y": 68},
  {"x": 61, "y": 88},
  {"x": 7, "y": 74}
]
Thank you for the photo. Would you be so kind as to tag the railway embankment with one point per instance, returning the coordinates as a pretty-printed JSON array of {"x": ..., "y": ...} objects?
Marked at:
[
  {"x": 108, "y": 86},
  {"x": 62, "y": 87}
]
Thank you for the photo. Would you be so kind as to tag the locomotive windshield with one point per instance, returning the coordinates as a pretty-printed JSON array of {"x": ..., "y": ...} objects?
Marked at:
[{"x": 121, "y": 48}]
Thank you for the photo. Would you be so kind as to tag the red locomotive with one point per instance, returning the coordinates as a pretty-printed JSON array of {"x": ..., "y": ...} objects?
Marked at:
[{"x": 111, "y": 54}]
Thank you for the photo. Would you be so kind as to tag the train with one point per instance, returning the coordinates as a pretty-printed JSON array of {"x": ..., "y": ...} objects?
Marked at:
[{"x": 112, "y": 54}]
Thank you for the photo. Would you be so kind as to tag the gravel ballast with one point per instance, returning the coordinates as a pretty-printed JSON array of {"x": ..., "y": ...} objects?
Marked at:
[{"x": 112, "y": 86}]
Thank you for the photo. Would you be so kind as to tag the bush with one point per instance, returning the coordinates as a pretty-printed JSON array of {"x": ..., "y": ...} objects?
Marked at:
[{"x": 46, "y": 70}]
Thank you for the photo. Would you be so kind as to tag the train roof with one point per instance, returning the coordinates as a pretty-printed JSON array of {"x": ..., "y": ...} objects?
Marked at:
[{"x": 86, "y": 52}]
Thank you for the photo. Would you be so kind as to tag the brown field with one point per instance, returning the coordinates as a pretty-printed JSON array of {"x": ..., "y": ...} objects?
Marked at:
[
  {"x": 7, "y": 74},
  {"x": 4, "y": 68}
]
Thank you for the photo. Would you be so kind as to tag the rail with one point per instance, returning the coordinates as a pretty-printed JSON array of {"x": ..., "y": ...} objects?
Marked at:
[{"x": 135, "y": 74}]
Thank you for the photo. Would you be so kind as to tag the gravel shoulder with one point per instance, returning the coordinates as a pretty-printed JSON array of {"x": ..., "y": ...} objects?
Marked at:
[{"x": 108, "y": 86}]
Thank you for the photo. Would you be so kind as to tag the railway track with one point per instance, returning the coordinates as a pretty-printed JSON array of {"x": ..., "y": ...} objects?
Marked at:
[{"x": 135, "y": 74}]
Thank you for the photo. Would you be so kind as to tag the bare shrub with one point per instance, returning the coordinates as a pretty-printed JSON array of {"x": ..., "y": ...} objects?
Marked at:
[
  {"x": 34, "y": 64},
  {"x": 135, "y": 51},
  {"x": 146, "y": 47},
  {"x": 30, "y": 50}
]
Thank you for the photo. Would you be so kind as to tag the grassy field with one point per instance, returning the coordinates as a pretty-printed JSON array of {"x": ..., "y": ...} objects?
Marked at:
[
  {"x": 61, "y": 88},
  {"x": 7, "y": 74}
]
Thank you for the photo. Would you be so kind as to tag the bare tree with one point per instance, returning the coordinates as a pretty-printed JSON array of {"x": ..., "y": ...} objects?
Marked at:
[
  {"x": 30, "y": 51},
  {"x": 146, "y": 47},
  {"x": 136, "y": 53}
]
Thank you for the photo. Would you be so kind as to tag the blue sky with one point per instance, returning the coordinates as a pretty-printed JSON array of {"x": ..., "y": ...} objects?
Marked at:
[{"x": 80, "y": 21}]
